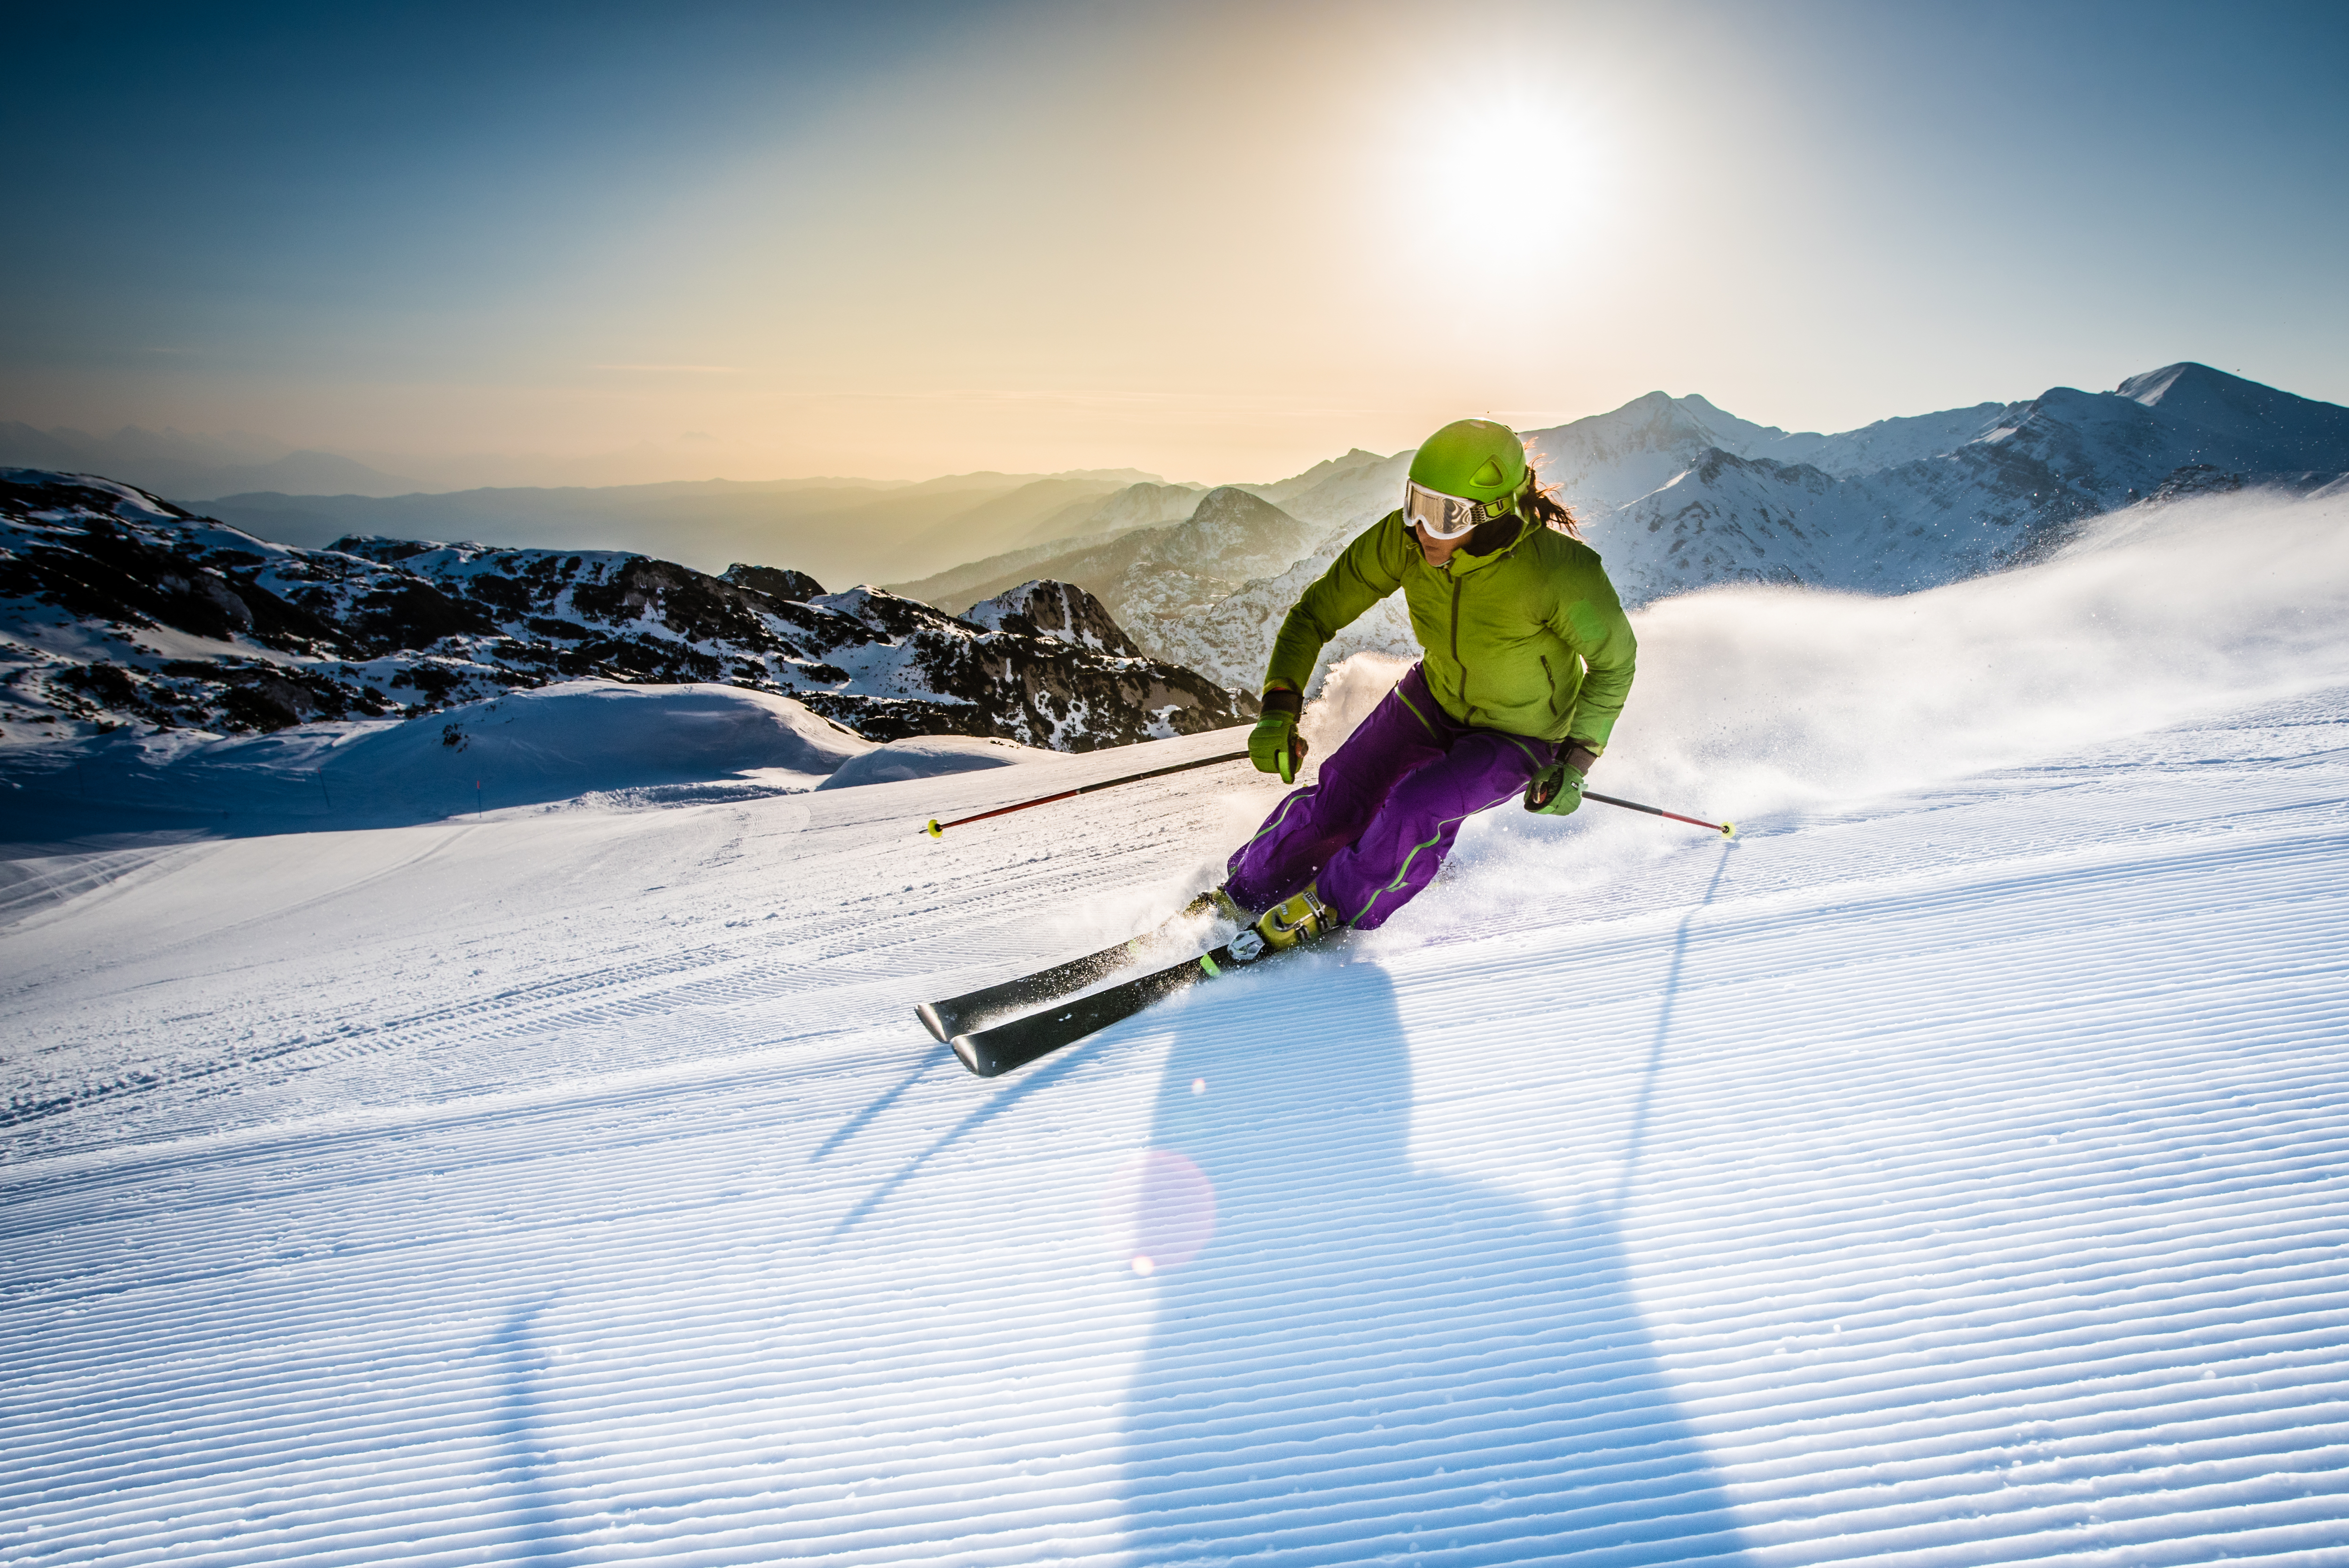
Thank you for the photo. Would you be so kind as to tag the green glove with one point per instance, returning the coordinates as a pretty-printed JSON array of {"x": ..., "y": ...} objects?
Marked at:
[
  {"x": 1275, "y": 747},
  {"x": 1556, "y": 791}
]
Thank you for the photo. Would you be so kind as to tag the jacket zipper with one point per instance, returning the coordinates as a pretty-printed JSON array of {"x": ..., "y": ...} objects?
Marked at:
[
  {"x": 1456, "y": 644},
  {"x": 1553, "y": 683}
]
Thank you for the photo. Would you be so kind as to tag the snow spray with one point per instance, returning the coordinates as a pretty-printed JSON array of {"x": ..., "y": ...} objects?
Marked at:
[
  {"x": 1789, "y": 698},
  {"x": 1784, "y": 700}
]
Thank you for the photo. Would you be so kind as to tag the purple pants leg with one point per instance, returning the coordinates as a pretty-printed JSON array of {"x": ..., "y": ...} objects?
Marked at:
[{"x": 1376, "y": 826}]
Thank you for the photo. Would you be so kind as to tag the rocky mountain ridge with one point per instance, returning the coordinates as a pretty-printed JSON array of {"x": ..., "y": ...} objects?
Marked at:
[{"x": 118, "y": 607}]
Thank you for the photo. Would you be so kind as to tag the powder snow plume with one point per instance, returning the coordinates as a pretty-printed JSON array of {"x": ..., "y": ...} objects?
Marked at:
[{"x": 1755, "y": 702}]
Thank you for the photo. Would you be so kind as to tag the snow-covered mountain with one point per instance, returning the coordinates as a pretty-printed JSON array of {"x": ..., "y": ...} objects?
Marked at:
[
  {"x": 1060, "y": 609},
  {"x": 122, "y": 608},
  {"x": 1878, "y": 511},
  {"x": 1677, "y": 495},
  {"x": 1151, "y": 576}
]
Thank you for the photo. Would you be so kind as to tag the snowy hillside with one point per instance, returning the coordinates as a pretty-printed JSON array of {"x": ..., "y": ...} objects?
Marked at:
[
  {"x": 614, "y": 745},
  {"x": 1676, "y": 494},
  {"x": 1947, "y": 1172},
  {"x": 119, "y": 608},
  {"x": 1153, "y": 578}
]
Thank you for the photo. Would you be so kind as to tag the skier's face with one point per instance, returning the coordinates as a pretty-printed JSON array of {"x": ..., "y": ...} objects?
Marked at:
[{"x": 1436, "y": 551}]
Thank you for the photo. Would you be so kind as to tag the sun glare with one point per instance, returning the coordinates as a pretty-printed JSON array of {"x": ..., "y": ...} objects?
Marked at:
[{"x": 1480, "y": 173}]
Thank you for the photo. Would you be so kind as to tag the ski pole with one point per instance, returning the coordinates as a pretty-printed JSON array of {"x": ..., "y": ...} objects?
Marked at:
[
  {"x": 936, "y": 829},
  {"x": 1726, "y": 830}
]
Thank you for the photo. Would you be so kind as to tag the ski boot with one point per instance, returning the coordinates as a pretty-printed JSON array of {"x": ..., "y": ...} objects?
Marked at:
[{"x": 1292, "y": 923}]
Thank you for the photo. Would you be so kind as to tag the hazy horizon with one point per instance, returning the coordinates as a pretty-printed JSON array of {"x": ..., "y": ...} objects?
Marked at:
[
  {"x": 602, "y": 472},
  {"x": 1210, "y": 241}
]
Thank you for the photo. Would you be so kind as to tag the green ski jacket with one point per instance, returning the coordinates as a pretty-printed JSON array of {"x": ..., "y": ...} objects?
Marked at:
[{"x": 1529, "y": 639}]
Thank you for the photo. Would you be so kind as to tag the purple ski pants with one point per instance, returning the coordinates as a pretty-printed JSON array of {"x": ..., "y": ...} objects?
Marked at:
[{"x": 1379, "y": 821}]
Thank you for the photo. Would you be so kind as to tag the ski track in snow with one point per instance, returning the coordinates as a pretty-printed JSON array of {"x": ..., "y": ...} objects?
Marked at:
[{"x": 1948, "y": 1178}]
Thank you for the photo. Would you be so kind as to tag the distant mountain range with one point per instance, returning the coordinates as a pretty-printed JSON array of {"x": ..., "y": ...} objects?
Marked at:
[
  {"x": 1083, "y": 603},
  {"x": 185, "y": 466},
  {"x": 839, "y": 530},
  {"x": 201, "y": 467},
  {"x": 118, "y": 607},
  {"x": 1676, "y": 495}
]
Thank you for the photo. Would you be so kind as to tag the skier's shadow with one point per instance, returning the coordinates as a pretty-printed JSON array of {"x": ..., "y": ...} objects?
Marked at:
[
  {"x": 1370, "y": 1359},
  {"x": 535, "y": 1525}
]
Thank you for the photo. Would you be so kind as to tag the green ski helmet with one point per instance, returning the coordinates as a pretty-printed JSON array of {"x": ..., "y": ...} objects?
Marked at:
[{"x": 1477, "y": 460}]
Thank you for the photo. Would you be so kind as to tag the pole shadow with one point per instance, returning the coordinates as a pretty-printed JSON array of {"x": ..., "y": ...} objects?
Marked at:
[
  {"x": 1063, "y": 1063},
  {"x": 1371, "y": 1361},
  {"x": 864, "y": 1119},
  {"x": 1655, "y": 1068}
]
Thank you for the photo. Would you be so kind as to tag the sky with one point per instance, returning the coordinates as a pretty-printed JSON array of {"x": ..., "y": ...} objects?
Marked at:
[{"x": 1214, "y": 242}]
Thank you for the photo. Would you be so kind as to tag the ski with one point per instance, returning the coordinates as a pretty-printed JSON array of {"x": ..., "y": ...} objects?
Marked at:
[
  {"x": 955, "y": 1015},
  {"x": 989, "y": 1052}
]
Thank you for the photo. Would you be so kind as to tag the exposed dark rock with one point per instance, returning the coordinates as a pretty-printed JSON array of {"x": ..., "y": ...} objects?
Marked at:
[
  {"x": 372, "y": 624},
  {"x": 2197, "y": 479},
  {"x": 1059, "y": 610},
  {"x": 775, "y": 582}
]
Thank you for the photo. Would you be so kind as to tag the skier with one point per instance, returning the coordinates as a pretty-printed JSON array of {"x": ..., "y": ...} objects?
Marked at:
[{"x": 1525, "y": 660}]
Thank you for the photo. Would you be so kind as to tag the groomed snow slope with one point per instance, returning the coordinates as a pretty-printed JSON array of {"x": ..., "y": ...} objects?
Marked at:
[{"x": 1948, "y": 1173}]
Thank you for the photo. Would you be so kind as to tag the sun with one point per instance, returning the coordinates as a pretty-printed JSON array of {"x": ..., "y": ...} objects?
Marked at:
[{"x": 1515, "y": 163}]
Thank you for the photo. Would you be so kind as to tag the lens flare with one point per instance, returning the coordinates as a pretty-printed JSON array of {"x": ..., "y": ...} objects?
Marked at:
[{"x": 1159, "y": 1212}]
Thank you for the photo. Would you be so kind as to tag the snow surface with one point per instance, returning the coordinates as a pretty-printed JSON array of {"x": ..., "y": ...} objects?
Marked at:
[
  {"x": 929, "y": 756},
  {"x": 1947, "y": 1171},
  {"x": 598, "y": 741}
]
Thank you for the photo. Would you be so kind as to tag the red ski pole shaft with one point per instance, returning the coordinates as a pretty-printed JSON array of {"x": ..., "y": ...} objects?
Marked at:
[
  {"x": 936, "y": 829},
  {"x": 1726, "y": 830}
]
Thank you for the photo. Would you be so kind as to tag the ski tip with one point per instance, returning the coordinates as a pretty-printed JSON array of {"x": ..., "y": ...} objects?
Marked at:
[
  {"x": 932, "y": 1022},
  {"x": 933, "y": 830},
  {"x": 966, "y": 1052}
]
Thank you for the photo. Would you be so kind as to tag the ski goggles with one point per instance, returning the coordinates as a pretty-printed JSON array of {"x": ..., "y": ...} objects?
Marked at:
[{"x": 1441, "y": 516}]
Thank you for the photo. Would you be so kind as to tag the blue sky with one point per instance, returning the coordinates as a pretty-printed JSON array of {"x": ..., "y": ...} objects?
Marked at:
[{"x": 1214, "y": 241}]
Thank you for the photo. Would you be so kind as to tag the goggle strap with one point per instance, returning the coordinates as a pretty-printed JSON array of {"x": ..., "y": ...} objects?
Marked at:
[{"x": 1501, "y": 506}]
